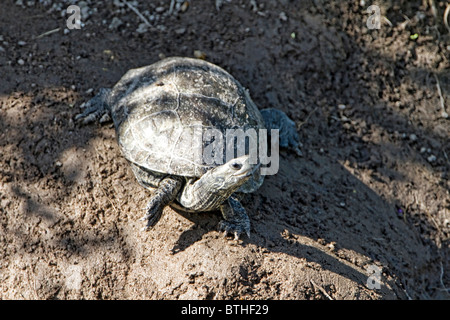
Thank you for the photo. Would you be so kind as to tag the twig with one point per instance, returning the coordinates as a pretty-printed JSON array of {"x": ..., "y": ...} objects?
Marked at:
[
  {"x": 172, "y": 4},
  {"x": 445, "y": 156},
  {"x": 321, "y": 289},
  {"x": 433, "y": 8},
  {"x": 388, "y": 21},
  {"x": 47, "y": 33},
  {"x": 138, "y": 14},
  {"x": 446, "y": 13},
  {"x": 307, "y": 118},
  {"x": 441, "y": 98},
  {"x": 441, "y": 278}
]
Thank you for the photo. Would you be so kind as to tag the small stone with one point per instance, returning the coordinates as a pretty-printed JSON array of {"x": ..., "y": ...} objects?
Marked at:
[
  {"x": 423, "y": 150},
  {"x": 115, "y": 23},
  {"x": 431, "y": 158},
  {"x": 283, "y": 16},
  {"x": 412, "y": 137},
  {"x": 180, "y": 31},
  {"x": 21, "y": 43},
  {"x": 184, "y": 6},
  {"x": 160, "y": 9},
  {"x": 199, "y": 54},
  {"x": 444, "y": 115},
  {"x": 342, "y": 107},
  {"x": 142, "y": 28},
  {"x": 118, "y": 3},
  {"x": 21, "y": 62},
  {"x": 420, "y": 15}
]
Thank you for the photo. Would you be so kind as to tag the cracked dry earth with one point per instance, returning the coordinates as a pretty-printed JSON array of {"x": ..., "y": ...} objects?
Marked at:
[{"x": 371, "y": 191}]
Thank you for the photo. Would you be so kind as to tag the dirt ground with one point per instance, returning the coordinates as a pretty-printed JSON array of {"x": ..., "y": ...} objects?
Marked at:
[{"x": 371, "y": 192}]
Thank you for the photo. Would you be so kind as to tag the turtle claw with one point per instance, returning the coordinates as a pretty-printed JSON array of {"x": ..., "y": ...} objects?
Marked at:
[
  {"x": 152, "y": 216},
  {"x": 96, "y": 109},
  {"x": 229, "y": 227}
]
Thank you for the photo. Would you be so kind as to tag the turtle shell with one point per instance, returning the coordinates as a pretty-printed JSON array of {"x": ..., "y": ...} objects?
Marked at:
[{"x": 161, "y": 112}]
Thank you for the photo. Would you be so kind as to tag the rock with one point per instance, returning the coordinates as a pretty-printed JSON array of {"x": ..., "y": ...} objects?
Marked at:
[
  {"x": 180, "y": 31},
  {"x": 199, "y": 54},
  {"x": 431, "y": 158},
  {"x": 283, "y": 16},
  {"x": 115, "y": 23},
  {"x": 142, "y": 28}
]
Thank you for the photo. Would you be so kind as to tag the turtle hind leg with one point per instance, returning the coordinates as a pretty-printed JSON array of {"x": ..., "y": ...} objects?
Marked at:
[
  {"x": 236, "y": 220},
  {"x": 165, "y": 193},
  {"x": 276, "y": 119},
  {"x": 96, "y": 109}
]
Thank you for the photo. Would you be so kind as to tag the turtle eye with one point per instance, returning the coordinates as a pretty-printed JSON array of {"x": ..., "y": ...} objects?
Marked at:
[{"x": 236, "y": 165}]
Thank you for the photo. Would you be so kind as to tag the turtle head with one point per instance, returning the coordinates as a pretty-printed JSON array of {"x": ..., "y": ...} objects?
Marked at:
[
  {"x": 217, "y": 185},
  {"x": 231, "y": 175}
]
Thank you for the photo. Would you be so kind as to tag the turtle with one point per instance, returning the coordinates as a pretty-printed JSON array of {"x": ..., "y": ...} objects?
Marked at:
[{"x": 157, "y": 108}]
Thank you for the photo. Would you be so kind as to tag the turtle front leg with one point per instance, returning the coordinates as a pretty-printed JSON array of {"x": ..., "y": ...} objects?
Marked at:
[
  {"x": 96, "y": 109},
  {"x": 164, "y": 195},
  {"x": 276, "y": 119},
  {"x": 236, "y": 218}
]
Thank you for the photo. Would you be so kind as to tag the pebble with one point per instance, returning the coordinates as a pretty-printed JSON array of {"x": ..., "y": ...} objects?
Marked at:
[
  {"x": 431, "y": 158},
  {"x": 184, "y": 6},
  {"x": 21, "y": 62},
  {"x": 342, "y": 107},
  {"x": 283, "y": 16},
  {"x": 199, "y": 54},
  {"x": 142, "y": 28},
  {"x": 420, "y": 15},
  {"x": 160, "y": 9},
  {"x": 180, "y": 31},
  {"x": 412, "y": 137},
  {"x": 115, "y": 23},
  {"x": 21, "y": 43},
  {"x": 118, "y": 3},
  {"x": 444, "y": 115}
]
